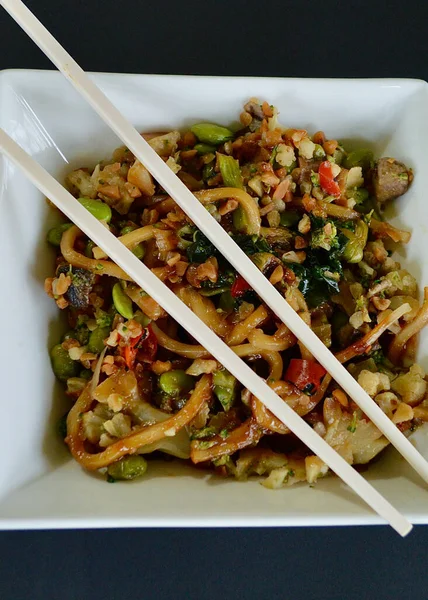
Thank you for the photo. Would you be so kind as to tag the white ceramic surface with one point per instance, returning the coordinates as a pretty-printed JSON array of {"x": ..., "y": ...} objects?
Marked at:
[{"x": 40, "y": 486}]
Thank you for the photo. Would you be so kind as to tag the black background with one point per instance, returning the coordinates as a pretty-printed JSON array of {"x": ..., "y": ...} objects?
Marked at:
[{"x": 306, "y": 38}]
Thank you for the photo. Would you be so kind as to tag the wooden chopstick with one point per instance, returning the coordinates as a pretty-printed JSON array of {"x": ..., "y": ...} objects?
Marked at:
[{"x": 142, "y": 275}]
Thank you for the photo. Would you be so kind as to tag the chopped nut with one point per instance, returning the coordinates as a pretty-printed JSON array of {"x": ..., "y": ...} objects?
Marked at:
[
  {"x": 76, "y": 352},
  {"x": 48, "y": 286},
  {"x": 160, "y": 366},
  {"x": 380, "y": 303},
  {"x": 304, "y": 225},
  {"x": 341, "y": 397},
  {"x": 228, "y": 207},
  {"x": 277, "y": 275},
  {"x": 403, "y": 413},
  {"x": 300, "y": 242},
  {"x": 62, "y": 302}
]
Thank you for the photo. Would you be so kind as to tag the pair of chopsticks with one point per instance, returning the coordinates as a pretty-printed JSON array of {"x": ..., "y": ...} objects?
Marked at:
[{"x": 218, "y": 236}]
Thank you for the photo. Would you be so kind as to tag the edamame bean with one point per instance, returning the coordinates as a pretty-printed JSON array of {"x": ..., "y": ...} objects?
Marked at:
[
  {"x": 208, "y": 133},
  {"x": 289, "y": 218},
  {"x": 96, "y": 339},
  {"x": 176, "y": 382},
  {"x": 230, "y": 171},
  {"x": 128, "y": 467},
  {"x": 139, "y": 251},
  {"x": 62, "y": 365},
  {"x": 122, "y": 302},
  {"x": 205, "y": 149},
  {"x": 127, "y": 229},
  {"x": 100, "y": 210},
  {"x": 141, "y": 318},
  {"x": 54, "y": 235}
]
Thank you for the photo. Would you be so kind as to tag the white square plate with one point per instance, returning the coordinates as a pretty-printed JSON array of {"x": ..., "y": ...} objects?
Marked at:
[{"x": 40, "y": 485}]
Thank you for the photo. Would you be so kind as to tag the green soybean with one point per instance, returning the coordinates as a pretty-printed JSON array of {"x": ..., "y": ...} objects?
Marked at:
[
  {"x": 54, "y": 235},
  {"x": 127, "y": 229},
  {"x": 208, "y": 133},
  {"x": 96, "y": 339},
  {"x": 359, "y": 158},
  {"x": 204, "y": 149},
  {"x": 176, "y": 382},
  {"x": 289, "y": 218},
  {"x": 139, "y": 251},
  {"x": 230, "y": 171},
  {"x": 128, "y": 467},
  {"x": 142, "y": 318},
  {"x": 100, "y": 210},
  {"x": 62, "y": 365},
  {"x": 122, "y": 302}
]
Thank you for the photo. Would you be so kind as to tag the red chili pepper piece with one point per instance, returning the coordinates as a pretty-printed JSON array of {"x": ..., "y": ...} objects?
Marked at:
[
  {"x": 239, "y": 287},
  {"x": 327, "y": 180},
  {"x": 305, "y": 374}
]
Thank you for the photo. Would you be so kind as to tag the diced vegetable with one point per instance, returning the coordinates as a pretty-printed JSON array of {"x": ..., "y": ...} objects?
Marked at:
[
  {"x": 359, "y": 158},
  {"x": 305, "y": 374},
  {"x": 225, "y": 387},
  {"x": 289, "y": 218},
  {"x": 230, "y": 171},
  {"x": 239, "y": 287},
  {"x": 327, "y": 182},
  {"x": 208, "y": 133},
  {"x": 354, "y": 249}
]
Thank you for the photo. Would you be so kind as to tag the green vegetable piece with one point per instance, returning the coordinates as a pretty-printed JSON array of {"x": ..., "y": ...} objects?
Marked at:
[
  {"x": 86, "y": 374},
  {"x": 240, "y": 220},
  {"x": 265, "y": 261},
  {"x": 338, "y": 155},
  {"x": 360, "y": 195},
  {"x": 176, "y": 382},
  {"x": 320, "y": 239},
  {"x": 225, "y": 387},
  {"x": 54, "y": 235},
  {"x": 127, "y": 229},
  {"x": 141, "y": 318},
  {"x": 100, "y": 210},
  {"x": 230, "y": 171},
  {"x": 204, "y": 149},
  {"x": 62, "y": 365},
  {"x": 354, "y": 249},
  {"x": 62, "y": 426},
  {"x": 319, "y": 151},
  {"x": 122, "y": 302},
  {"x": 226, "y": 301},
  {"x": 209, "y": 171},
  {"x": 88, "y": 249},
  {"x": 359, "y": 158},
  {"x": 289, "y": 218},
  {"x": 139, "y": 251},
  {"x": 208, "y": 133},
  {"x": 128, "y": 467},
  {"x": 96, "y": 339}
]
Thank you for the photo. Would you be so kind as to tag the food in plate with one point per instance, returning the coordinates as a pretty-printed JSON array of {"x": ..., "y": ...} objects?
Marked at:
[{"x": 309, "y": 214}]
